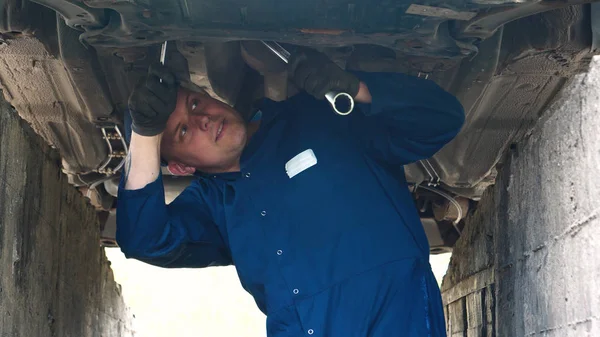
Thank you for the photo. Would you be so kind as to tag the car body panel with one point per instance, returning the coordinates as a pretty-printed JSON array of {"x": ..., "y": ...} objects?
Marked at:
[{"x": 70, "y": 74}]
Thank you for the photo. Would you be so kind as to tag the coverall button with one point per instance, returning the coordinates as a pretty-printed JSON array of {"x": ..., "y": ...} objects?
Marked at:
[
  {"x": 279, "y": 252},
  {"x": 310, "y": 331},
  {"x": 263, "y": 213},
  {"x": 295, "y": 291},
  {"x": 247, "y": 174}
]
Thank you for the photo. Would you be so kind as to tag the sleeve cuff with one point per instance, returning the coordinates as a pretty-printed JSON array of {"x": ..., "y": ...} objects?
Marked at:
[
  {"x": 152, "y": 188},
  {"x": 378, "y": 100}
]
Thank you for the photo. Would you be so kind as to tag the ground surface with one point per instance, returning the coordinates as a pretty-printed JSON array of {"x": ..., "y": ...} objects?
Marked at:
[{"x": 54, "y": 277}]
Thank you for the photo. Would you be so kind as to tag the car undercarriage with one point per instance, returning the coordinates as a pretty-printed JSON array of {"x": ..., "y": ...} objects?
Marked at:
[{"x": 69, "y": 66}]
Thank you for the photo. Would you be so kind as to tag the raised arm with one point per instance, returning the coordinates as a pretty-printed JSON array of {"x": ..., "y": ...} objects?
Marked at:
[
  {"x": 399, "y": 119},
  {"x": 408, "y": 118},
  {"x": 184, "y": 233},
  {"x": 151, "y": 103}
]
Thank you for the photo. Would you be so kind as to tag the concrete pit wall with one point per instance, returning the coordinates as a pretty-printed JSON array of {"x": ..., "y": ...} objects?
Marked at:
[
  {"x": 527, "y": 263},
  {"x": 54, "y": 278}
]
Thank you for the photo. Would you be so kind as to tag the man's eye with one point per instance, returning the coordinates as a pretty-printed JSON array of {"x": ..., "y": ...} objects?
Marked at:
[
  {"x": 194, "y": 105},
  {"x": 183, "y": 131}
]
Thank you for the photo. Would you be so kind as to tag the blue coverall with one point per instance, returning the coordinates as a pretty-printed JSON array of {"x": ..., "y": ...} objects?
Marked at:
[{"x": 336, "y": 250}]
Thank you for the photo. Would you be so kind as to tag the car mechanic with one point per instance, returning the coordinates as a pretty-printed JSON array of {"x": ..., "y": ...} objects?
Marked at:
[{"x": 311, "y": 207}]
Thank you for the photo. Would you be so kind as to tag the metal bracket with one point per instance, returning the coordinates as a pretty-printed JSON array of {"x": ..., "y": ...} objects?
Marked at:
[
  {"x": 434, "y": 178},
  {"x": 117, "y": 150},
  {"x": 423, "y": 75}
]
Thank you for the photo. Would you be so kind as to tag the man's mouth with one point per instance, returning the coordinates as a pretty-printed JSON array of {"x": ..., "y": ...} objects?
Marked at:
[{"x": 220, "y": 130}]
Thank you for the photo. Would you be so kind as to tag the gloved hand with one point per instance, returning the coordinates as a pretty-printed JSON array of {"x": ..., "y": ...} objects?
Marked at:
[
  {"x": 152, "y": 102},
  {"x": 316, "y": 74}
]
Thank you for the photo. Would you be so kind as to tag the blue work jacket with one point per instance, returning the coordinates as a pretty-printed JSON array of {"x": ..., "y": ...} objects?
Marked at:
[{"x": 337, "y": 249}]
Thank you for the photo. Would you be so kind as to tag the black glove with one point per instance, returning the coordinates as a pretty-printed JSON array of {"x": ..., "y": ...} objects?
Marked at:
[
  {"x": 316, "y": 74},
  {"x": 152, "y": 102}
]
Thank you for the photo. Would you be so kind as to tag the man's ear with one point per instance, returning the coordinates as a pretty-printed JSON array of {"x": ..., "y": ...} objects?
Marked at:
[{"x": 179, "y": 169}]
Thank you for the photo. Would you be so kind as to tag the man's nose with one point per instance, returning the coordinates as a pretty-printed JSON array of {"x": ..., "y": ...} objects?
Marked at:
[{"x": 202, "y": 121}]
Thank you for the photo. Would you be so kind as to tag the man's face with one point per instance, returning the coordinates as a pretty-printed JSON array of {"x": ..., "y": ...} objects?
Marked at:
[{"x": 203, "y": 133}]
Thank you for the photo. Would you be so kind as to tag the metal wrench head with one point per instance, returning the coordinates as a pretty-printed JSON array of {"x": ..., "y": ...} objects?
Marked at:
[
  {"x": 163, "y": 53},
  {"x": 341, "y": 102}
]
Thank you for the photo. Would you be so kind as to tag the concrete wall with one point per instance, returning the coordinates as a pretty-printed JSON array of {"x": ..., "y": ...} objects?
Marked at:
[
  {"x": 527, "y": 263},
  {"x": 54, "y": 277}
]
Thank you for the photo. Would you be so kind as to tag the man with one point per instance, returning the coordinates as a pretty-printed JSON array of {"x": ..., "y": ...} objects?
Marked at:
[{"x": 311, "y": 207}]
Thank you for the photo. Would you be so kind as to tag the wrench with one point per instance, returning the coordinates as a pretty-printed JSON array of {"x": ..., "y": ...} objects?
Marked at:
[
  {"x": 341, "y": 102},
  {"x": 163, "y": 54}
]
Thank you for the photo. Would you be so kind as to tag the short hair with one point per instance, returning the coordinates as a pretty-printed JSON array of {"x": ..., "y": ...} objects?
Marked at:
[{"x": 191, "y": 86}]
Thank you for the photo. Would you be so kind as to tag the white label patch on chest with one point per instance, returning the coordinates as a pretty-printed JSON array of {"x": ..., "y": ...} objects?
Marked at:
[{"x": 300, "y": 162}]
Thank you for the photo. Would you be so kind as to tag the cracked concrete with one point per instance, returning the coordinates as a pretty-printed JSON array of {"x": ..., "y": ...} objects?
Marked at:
[
  {"x": 538, "y": 231},
  {"x": 54, "y": 278}
]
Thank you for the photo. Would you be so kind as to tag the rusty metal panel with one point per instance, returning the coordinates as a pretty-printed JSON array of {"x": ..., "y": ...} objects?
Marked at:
[{"x": 440, "y": 12}]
